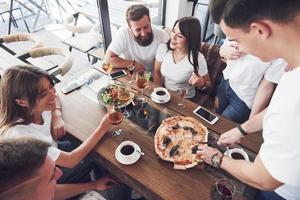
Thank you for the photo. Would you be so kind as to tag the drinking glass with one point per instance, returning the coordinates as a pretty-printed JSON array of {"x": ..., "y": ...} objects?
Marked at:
[
  {"x": 223, "y": 189},
  {"x": 107, "y": 67},
  {"x": 124, "y": 96},
  {"x": 141, "y": 82},
  {"x": 131, "y": 70},
  {"x": 115, "y": 117},
  {"x": 182, "y": 92},
  {"x": 147, "y": 77}
]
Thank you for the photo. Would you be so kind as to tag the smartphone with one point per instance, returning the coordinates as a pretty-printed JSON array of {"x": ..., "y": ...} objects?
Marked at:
[
  {"x": 117, "y": 74},
  {"x": 206, "y": 115}
]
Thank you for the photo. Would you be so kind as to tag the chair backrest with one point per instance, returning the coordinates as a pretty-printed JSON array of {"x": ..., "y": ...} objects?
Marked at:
[
  {"x": 70, "y": 24},
  {"x": 214, "y": 64},
  {"x": 62, "y": 68},
  {"x": 19, "y": 37}
]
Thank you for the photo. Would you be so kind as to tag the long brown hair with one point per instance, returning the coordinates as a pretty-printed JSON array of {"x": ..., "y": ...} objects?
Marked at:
[
  {"x": 19, "y": 82},
  {"x": 191, "y": 30}
]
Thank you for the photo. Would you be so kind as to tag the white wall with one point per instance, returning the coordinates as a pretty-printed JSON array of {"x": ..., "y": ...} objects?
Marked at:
[{"x": 176, "y": 9}]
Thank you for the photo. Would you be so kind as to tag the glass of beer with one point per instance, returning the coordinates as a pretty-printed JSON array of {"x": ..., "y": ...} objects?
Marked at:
[
  {"x": 115, "y": 117},
  {"x": 107, "y": 67},
  {"x": 141, "y": 82}
]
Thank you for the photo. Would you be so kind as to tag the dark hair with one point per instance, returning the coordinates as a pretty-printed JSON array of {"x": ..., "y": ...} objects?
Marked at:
[
  {"x": 19, "y": 82},
  {"x": 20, "y": 159},
  {"x": 190, "y": 28},
  {"x": 136, "y": 12},
  {"x": 241, "y": 13}
]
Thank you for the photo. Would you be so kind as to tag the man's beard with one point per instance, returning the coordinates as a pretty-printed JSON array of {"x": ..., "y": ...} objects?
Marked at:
[{"x": 144, "y": 41}]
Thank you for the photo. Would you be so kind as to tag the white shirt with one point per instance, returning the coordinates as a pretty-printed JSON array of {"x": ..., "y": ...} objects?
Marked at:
[
  {"x": 280, "y": 152},
  {"x": 245, "y": 74},
  {"x": 177, "y": 75},
  {"x": 127, "y": 48},
  {"x": 40, "y": 132}
]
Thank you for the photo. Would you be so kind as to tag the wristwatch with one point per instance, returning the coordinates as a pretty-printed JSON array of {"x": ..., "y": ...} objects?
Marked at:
[{"x": 216, "y": 160}]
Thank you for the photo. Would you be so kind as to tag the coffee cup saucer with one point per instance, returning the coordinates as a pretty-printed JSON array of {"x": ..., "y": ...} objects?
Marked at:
[
  {"x": 128, "y": 160},
  {"x": 158, "y": 100}
]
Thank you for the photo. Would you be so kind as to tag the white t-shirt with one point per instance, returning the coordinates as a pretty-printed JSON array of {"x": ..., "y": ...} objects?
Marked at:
[
  {"x": 127, "y": 48},
  {"x": 280, "y": 152},
  {"x": 40, "y": 132},
  {"x": 245, "y": 74},
  {"x": 177, "y": 75}
]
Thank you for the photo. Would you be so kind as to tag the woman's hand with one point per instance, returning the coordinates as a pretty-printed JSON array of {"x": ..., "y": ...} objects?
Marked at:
[
  {"x": 104, "y": 125},
  {"x": 196, "y": 81},
  {"x": 57, "y": 125},
  {"x": 230, "y": 50}
]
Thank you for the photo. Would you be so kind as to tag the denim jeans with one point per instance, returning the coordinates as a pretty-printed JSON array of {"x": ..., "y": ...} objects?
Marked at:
[
  {"x": 268, "y": 195},
  {"x": 230, "y": 105}
]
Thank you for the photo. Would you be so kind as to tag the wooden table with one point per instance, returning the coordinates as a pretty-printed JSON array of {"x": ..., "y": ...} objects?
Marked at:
[{"x": 150, "y": 176}]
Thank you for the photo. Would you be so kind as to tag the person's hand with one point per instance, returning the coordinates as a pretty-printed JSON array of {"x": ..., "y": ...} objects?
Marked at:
[
  {"x": 105, "y": 183},
  {"x": 196, "y": 80},
  {"x": 57, "y": 125},
  {"x": 104, "y": 125},
  {"x": 139, "y": 67},
  {"x": 230, "y": 50},
  {"x": 230, "y": 137},
  {"x": 206, "y": 154}
]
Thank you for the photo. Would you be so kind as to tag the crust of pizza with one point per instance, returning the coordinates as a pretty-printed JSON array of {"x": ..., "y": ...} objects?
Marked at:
[{"x": 176, "y": 138}]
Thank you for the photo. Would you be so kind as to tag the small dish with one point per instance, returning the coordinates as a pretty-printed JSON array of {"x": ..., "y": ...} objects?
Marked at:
[
  {"x": 160, "y": 98},
  {"x": 128, "y": 159}
]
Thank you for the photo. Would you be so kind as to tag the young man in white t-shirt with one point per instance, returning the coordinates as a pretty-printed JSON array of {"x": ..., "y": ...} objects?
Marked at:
[
  {"x": 267, "y": 29},
  {"x": 241, "y": 78},
  {"x": 135, "y": 44}
]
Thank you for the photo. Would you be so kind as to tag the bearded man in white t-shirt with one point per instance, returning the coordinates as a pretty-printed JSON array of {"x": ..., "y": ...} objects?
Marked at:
[
  {"x": 267, "y": 29},
  {"x": 135, "y": 44}
]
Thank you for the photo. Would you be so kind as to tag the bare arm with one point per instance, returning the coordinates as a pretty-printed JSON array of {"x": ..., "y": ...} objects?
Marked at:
[
  {"x": 252, "y": 125},
  {"x": 65, "y": 191},
  {"x": 118, "y": 62},
  {"x": 254, "y": 174},
  {"x": 70, "y": 159},
  {"x": 157, "y": 78},
  {"x": 263, "y": 96},
  {"x": 251, "y": 173},
  {"x": 57, "y": 122}
]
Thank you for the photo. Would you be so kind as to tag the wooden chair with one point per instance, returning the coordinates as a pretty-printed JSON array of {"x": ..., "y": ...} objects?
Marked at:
[{"x": 215, "y": 67}]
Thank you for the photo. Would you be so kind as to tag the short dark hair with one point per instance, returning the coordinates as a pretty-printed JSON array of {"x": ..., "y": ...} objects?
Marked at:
[
  {"x": 241, "y": 13},
  {"x": 136, "y": 12},
  {"x": 20, "y": 159}
]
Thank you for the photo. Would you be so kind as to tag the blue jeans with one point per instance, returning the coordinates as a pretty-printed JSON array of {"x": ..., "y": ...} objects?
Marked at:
[
  {"x": 229, "y": 105},
  {"x": 268, "y": 195}
]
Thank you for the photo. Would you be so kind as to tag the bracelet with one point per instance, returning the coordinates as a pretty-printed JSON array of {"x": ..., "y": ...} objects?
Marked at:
[{"x": 243, "y": 132}]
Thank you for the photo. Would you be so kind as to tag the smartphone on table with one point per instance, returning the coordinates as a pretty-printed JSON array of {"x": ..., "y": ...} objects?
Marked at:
[
  {"x": 206, "y": 115},
  {"x": 117, "y": 74}
]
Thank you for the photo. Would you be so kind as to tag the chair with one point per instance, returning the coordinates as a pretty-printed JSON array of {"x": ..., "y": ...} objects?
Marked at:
[
  {"x": 215, "y": 67},
  {"x": 61, "y": 69},
  {"x": 84, "y": 37},
  {"x": 20, "y": 37}
]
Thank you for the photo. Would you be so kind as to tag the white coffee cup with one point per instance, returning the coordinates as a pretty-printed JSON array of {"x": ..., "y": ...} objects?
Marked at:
[
  {"x": 237, "y": 153},
  {"x": 128, "y": 152},
  {"x": 160, "y": 93}
]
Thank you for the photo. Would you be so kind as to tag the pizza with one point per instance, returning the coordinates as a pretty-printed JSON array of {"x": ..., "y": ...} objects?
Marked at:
[{"x": 177, "y": 140}]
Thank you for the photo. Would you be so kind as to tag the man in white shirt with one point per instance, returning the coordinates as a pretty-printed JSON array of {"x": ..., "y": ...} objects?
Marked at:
[
  {"x": 26, "y": 171},
  {"x": 135, "y": 44},
  {"x": 267, "y": 29}
]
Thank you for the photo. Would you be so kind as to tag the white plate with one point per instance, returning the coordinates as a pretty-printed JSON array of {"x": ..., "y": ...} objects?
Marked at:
[
  {"x": 130, "y": 161},
  {"x": 161, "y": 101}
]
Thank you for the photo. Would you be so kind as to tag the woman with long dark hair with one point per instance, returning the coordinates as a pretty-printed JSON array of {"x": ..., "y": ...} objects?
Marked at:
[
  {"x": 179, "y": 64},
  {"x": 27, "y": 98}
]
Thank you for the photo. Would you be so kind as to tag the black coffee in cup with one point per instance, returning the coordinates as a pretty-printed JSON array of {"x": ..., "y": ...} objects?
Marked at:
[
  {"x": 127, "y": 150},
  {"x": 161, "y": 93},
  {"x": 237, "y": 156}
]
